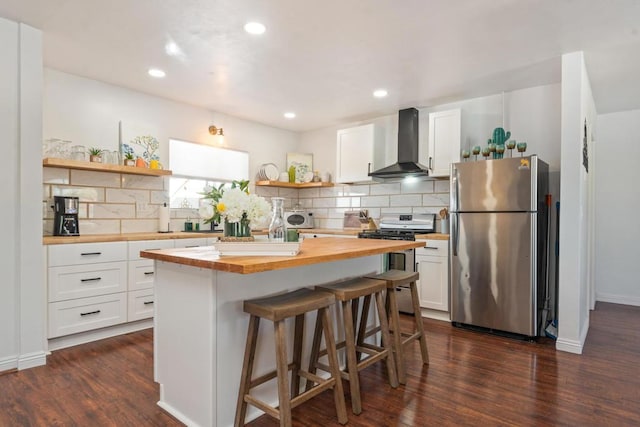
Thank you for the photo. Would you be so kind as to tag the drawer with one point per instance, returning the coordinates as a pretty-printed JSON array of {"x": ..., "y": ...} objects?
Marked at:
[
  {"x": 87, "y": 253},
  {"x": 141, "y": 274},
  {"x": 140, "y": 305},
  {"x": 84, "y": 314},
  {"x": 434, "y": 248},
  {"x": 145, "y": 245},
  {"x": 190, "y": 243},
  {"x": 79, "y": 281}
]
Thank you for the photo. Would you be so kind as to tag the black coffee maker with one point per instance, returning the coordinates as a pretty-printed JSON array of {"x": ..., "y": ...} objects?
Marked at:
[{"x": 65, "y": 222}]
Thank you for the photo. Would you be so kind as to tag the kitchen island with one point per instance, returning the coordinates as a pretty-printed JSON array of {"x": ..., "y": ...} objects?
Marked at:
[{"x": 200, "y": 327}]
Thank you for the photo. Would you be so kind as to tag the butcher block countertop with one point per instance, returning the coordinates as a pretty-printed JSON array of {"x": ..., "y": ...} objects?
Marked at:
[
  {"x": 312, "y": 251},
  {"x": 125, "y": 237}
]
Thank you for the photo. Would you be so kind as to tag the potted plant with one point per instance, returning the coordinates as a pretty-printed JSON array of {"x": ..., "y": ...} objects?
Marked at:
[
  {"x": 129, "y": 159},
  {"x": 95, "y": 155}
]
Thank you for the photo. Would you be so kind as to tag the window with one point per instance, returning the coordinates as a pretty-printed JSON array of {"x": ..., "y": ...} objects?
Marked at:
[{"x": 195, "y": 166}]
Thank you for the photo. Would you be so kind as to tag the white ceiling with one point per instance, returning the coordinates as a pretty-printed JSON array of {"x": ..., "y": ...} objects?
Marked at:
[{"x": 323, "y": 59}]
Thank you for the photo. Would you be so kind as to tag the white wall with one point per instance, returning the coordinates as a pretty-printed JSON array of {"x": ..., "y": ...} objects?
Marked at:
[
  {"x": 87, "y": 112},
  {"x": 577, "y": 105},
  {"x": 617, "y": 234},
  {"x": 22, "y": 297}
]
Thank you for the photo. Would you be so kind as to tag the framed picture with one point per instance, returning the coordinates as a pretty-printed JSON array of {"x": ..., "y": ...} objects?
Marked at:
[{"x": 303, "y": 164}]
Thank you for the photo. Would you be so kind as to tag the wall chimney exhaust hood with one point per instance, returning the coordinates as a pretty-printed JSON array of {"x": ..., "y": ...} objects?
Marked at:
[{"x": 407, "y": 164}]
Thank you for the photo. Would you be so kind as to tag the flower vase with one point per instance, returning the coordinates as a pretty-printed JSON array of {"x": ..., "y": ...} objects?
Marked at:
[{"x": 237, "y": 231}]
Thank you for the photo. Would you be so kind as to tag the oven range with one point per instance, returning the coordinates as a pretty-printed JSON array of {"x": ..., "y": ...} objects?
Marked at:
[{"x": 401, "y": 227}]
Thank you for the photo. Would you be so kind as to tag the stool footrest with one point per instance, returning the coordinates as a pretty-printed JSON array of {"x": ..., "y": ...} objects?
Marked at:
[
  {"x": 410, "y": 337},
  {"x": 268, "y": 376}
]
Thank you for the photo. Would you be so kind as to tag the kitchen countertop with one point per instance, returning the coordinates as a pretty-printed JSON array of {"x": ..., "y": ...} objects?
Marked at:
[
  {"x": 312, "y": 251},
  {"x": 125, "y": 237}
]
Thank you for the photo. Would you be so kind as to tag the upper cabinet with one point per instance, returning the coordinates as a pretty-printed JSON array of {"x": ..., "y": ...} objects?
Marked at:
[
  {"x": 444, "y": 141},
  {"x": 359, "y": 151}
]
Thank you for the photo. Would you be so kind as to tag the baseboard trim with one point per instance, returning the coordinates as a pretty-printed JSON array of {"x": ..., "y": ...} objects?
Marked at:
[
  {"x": 435, "y": 314},
  {"x": 618, "y": 299},
  {"x": 573, "y": 346},
  {"x": 31, "y": 360},
  {"x": 8, "y": 363},
  {"x": 98, "y": 334}
]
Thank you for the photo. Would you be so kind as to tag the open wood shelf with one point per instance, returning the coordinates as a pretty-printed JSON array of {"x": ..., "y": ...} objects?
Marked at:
[
  {"x": 284, "y": 184},
  {"x": 101, "y": 167}
]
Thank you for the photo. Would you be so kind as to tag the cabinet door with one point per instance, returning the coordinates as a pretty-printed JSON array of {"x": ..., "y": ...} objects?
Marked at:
[
  {"x": 444, "y": 141},
  {"x": 433, "y": 286},
  {"x": 357, "y": 153}
]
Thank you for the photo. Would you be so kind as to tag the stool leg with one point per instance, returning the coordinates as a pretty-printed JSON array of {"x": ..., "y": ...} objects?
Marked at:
[
  {"x": 417, "y": 317},
  {"x": 386, "y": 340},
  {"x": 338, "y": 392},
  {"x": 394, "y": 321},
  {"x": 315, "y": 350},
  {"x": 247, "y": 370},
  {"x": 352, "y": 364},
  {"x": 297, "y": 355},
  {"x": 284, "y": 401},
  {"x": 362, "y": 329}
]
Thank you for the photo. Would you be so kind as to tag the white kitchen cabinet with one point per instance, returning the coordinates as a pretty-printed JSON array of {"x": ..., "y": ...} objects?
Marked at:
[
  {"x": 432, "y": 262},
  {"x": 359, "y": 151},
  {"x": 444, "y": 141},
  {"x": 191, "y": 243}
]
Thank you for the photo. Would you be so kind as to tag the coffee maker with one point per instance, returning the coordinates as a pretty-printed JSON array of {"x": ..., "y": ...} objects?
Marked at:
[{"x": 65, "y": 222}]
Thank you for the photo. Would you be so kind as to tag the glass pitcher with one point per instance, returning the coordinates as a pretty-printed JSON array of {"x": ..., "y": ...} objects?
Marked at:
[{"x": 277, "y": 229}]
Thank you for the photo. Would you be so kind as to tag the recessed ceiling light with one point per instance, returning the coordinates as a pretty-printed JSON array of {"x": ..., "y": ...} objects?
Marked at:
[
  {"x": 290, "y": 115},
  {"x": 156, "y": 72},
  {"x": 254, "y": 28},
  {"x": 172, "y": 49},
  {"x": 380, "y": 93}
]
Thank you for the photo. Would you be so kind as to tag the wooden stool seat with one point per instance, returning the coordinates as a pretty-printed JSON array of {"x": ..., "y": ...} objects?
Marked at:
[
  {"x": 278, "y": 308},
  {"x": 395, "y": 278},
  {"x": 348, "y": 293}
]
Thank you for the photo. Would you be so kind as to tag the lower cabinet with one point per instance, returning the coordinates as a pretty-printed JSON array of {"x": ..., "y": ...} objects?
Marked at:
[
  {"x": 432, "y": 262},
  {"x": 84, "y": 314},
  {"x": 140, "y": 304}
]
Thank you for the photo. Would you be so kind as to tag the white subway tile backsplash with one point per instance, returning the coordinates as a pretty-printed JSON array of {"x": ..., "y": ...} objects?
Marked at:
[
  {"x": 99, "y": 226},
  {"x": 266, "y": 192},
  {"x": 122, "y": 195},
  {"x": 46, "y": 192},
  {"x": 343, "y": 202},
  {"x": 55, "y": 176},
  {"x": 332, "y": 223},
  {"x": 336, "y": 213},
  {"x": 324, "y": 203},
  {"x": 355, "y": 202},
  {"x": 374, "y": 212},
  {"x": 407, "y": 200},
  {"x": 111, "y": 210},
  {"x": 356, "y": 190},
  {"x": 157, "y": 197},
  {"x": 139, "y": 225},
  {"x": 390, "y": 188},
  {"x": 442, "y": 186},
  {"x": 95, "y": 179},
  {"x": 289, "y": 193},
  {"x": 320, "y": 213},
  {"x": 331, "y": 191},
  {"x": 309, "y": 193},
  {"x": 86, "y": 194},
  {"x": 374, "y": 201},
  {"x": 435, "y": 200},
  {"x": 417, "y": 187},
  {"x": 142, "y": 182}
]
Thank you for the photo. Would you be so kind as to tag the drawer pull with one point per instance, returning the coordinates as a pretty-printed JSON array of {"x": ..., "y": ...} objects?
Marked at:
[
  {"x": 148, "y": 273},
  {"x": 193, "y": 246},
  {"x": 90, "y": 253},
  {"x": 93, "y": 279},
  {"x": 431, "y": 247},
  {"x": 148, "y": 302},
  {"x": 90, "y": 312}
]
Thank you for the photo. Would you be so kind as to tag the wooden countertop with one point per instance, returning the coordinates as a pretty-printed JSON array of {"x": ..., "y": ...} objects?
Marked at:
[
  {"x": 312, "y": 251},
  {"x": 125, "y": 237}
]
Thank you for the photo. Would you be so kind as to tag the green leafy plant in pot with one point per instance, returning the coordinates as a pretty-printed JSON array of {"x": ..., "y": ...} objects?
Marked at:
[
  {"x": 95, "y": 155},
  {"x": 129, "y": 159}
]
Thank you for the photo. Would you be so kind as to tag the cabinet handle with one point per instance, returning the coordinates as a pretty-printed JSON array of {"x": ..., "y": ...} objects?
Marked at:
[
  {"x": 148, "y": 302},
  {"x": 368, "y": 168},
  {"x": 93, "y": 279},
  {"x": 90, "y": 312},
  {"x": 148, "y": 273},
  {"x": 90, "y": 253},
  {"x": 193, "y": 246},
  {"x": 430, "y": 166},
  {"x": 431, "y": 247}
]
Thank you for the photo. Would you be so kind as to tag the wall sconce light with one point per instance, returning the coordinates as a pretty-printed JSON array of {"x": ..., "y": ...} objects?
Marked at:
[{"x": 217, "y": 131}]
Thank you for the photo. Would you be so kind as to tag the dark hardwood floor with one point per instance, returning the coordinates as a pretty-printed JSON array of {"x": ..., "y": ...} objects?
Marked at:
[{"x": 473, "y": 379}]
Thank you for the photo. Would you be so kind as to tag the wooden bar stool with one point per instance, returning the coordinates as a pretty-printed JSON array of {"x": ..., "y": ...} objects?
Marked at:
[
  {"x": 278, "y": 308},
  {"x": 395, "y": 278},
  {"x": 348, "y": 292}
]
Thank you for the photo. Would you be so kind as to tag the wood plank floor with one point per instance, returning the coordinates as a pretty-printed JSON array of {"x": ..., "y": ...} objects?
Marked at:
[{"x": 473, "y": 379}]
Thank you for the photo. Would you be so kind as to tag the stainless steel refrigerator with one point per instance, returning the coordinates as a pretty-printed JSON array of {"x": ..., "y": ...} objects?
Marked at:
[{"x": 498, "y": 243}]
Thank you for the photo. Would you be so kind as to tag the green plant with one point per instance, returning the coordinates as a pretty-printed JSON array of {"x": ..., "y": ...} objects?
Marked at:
[
  {"x": 95, "y": 151},
  {"x": 129, "y": 156}
]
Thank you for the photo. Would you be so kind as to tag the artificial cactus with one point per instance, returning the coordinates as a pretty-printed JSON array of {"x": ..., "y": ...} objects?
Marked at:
[{"x": 499, "y": 138}]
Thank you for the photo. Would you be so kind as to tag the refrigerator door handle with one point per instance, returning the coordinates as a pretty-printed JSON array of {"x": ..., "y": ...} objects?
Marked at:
[
  {"x": 454, "y": 189},
  {"x": 454, "y": 233}
]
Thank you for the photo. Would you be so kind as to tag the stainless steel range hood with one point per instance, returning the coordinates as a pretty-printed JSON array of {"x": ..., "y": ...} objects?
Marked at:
[{"x": 407, "y": 164}]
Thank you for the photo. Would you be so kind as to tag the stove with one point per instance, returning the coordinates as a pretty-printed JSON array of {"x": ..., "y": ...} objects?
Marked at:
[{"x": 387, "y": 234}]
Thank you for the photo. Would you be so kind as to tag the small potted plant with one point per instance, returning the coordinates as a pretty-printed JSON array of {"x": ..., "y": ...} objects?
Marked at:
[
  {"x": 95, "y": 155},
  {"x": 129, "y": 159}
]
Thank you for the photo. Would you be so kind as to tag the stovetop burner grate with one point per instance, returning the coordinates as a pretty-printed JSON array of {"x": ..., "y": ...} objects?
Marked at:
[{"x": 387, "y": 234}]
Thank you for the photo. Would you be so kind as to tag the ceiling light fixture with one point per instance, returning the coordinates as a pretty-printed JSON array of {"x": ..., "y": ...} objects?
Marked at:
[
  {"x": 156, "y": 72},
  {"x": 217, "y": 131},
  {"x": 380, "y": 93},
  {"x": 172, "y": 49},
  {"x": 290, "y": 115},
  {"x": 254, "y": 28}
]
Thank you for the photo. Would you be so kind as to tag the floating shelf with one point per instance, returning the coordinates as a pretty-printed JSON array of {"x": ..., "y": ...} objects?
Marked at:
[
  {"x": 283, "y": 184},
  {"x": 101, "y": 167}
]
